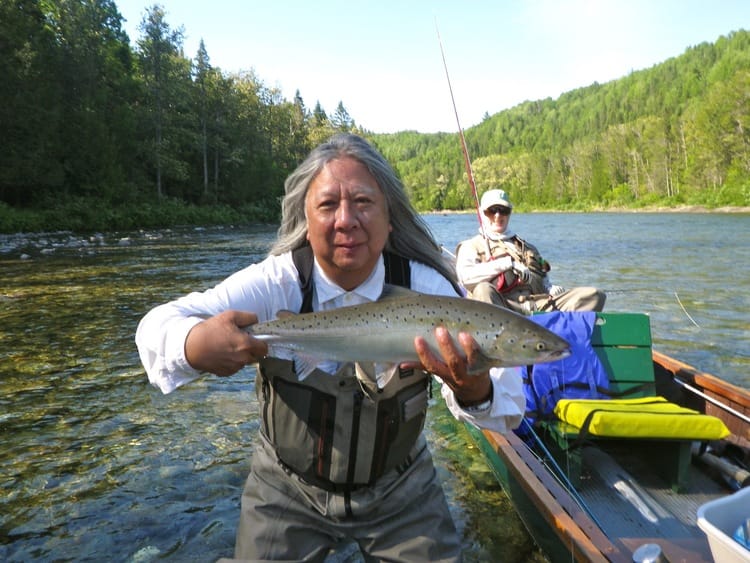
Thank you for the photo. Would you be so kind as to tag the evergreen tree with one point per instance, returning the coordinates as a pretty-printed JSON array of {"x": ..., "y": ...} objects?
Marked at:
[
  {"x": 341, "y": 121},
  {"x": 30, "y": 105},
  {"x": 165, "y": 73}
]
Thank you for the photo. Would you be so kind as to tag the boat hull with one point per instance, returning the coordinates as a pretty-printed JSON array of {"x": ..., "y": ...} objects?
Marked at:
[{"x": 552, "y": 510}]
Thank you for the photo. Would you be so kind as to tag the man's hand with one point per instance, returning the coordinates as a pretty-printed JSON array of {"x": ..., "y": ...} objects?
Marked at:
[
  {"x": 522, "y": 271},
  {"x": 556, "y": 290},
  {"x": 219, "y": 345},
  {"x": 454, "y": 365}
]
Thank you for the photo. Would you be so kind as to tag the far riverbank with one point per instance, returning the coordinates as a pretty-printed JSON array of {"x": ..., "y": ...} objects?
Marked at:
[
  {"x": 81, "y": 216},
  {"x": 652, "y": 209}
]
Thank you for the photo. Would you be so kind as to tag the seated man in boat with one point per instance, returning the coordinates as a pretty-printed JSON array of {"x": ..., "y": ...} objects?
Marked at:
[
  {"x": 498, "y": 266},
  {"x": 341, "y": 452}
]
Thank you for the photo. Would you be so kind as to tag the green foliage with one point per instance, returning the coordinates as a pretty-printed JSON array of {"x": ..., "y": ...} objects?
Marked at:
[
  {"x": 134, "y": 135},
  {"x": 99, "y": 133},
  {"x": 673, "y": 134},
  {"x": 87, "y": 215}
]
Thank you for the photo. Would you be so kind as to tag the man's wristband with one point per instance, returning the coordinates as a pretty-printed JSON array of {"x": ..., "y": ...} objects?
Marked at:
[{"x": 482, "y": 407}]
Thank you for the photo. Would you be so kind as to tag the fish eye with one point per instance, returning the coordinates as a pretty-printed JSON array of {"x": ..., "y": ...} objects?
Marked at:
[{"x": 540, "y": 346}]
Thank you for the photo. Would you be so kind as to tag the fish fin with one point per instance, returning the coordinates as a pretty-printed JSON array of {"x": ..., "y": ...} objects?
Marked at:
[
  {"x": 481, "y": 363},
  {"x": 380, "y": 372},
  {"x": 305, "y": 364},
  {"x": 384, "y": 372},
  {"x": 284, "y": 313},
  {"x": 395, "y": 292}
]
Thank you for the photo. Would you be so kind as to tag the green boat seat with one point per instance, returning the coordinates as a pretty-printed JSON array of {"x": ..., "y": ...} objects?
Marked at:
[{"x": 622, "y": 342}]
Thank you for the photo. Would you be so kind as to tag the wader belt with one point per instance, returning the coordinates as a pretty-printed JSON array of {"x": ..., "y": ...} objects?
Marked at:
[{"x": 339, "y": 488}]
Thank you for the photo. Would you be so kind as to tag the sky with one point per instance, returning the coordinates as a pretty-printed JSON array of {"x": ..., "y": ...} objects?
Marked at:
[{"x": 383, "y": 60}]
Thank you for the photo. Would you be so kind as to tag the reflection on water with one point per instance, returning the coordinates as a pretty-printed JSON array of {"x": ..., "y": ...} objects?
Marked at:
[{"x": 97, "y": 465}]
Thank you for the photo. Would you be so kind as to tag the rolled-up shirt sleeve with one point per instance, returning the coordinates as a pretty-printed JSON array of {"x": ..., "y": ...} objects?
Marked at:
[
  {"x": 160, "y": 339},
  {"x": 263, "y": 289}
]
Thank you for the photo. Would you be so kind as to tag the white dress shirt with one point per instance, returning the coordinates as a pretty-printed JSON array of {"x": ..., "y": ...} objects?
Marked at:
[{"x": 273, "y": 285}]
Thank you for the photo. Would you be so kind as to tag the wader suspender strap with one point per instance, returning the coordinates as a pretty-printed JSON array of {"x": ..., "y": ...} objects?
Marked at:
[
  {"x": 397, "y": 272},
  {"x": 303, "y": 261}
]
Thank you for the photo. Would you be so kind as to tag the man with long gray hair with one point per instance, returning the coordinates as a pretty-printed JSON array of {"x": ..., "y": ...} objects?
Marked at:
[{"x": 341, "y": 453}]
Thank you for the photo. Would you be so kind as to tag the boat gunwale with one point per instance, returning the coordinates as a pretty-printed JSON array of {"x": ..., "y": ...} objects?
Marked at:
[{"x": 572, "y": 524}]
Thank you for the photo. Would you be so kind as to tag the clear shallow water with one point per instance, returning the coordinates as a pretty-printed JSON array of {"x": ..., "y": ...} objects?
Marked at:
[{"x": 97, "y": 465}]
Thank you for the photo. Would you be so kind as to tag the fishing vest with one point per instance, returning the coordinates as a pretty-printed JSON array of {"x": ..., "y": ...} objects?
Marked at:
[
  {"x": 520, "y": 251},
  {"x": 341, "y": 432}
]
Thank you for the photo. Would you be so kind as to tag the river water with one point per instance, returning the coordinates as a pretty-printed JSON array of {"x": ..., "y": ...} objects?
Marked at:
[{"x": 97, "y": 465}]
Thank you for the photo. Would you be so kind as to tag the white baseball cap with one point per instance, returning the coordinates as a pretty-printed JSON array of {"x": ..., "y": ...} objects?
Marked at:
[{"x": 495, "y": 197}]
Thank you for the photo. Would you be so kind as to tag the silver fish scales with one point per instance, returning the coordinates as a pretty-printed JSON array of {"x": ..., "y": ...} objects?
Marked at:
[{"x": 383, "y": 331}]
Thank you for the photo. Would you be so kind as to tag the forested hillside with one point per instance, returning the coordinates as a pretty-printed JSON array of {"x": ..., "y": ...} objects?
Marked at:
[
  {"x": 101, "y": 130},
  {"x": 677, "y": 133},
  {"x": 133, "y": 131}
]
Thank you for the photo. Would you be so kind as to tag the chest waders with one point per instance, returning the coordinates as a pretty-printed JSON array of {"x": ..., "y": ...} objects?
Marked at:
[{"x": 340, "y": 432}]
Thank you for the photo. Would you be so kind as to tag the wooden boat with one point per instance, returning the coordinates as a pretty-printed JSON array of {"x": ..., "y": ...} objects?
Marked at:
[{"x": 616, "y": 501}]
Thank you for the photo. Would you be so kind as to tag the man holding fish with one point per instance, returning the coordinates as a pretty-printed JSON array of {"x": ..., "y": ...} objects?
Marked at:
[{"x": 343, "y": 383}]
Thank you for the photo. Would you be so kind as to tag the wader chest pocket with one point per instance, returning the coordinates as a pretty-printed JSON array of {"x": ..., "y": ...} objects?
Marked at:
[{"x": 414, "y": 406}]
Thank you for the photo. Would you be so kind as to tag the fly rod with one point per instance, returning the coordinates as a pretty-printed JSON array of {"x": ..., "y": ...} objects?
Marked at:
[
  {"x": 560, "y": 474},
  {"x": 464, "y": 148}
]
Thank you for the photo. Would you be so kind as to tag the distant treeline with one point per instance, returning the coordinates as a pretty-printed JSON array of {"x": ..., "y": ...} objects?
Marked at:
[
  {"x": 98, "y": 132},
  {"x": 116, "y": 132},
  {"x": 677, "y": 133}
]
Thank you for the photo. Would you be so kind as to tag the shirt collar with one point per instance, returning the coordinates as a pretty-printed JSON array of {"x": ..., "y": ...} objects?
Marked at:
[{"x": 328, "y": 293}]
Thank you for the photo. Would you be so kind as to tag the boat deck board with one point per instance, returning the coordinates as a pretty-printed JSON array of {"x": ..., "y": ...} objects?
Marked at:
[{"x": 634, "y": 503}]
